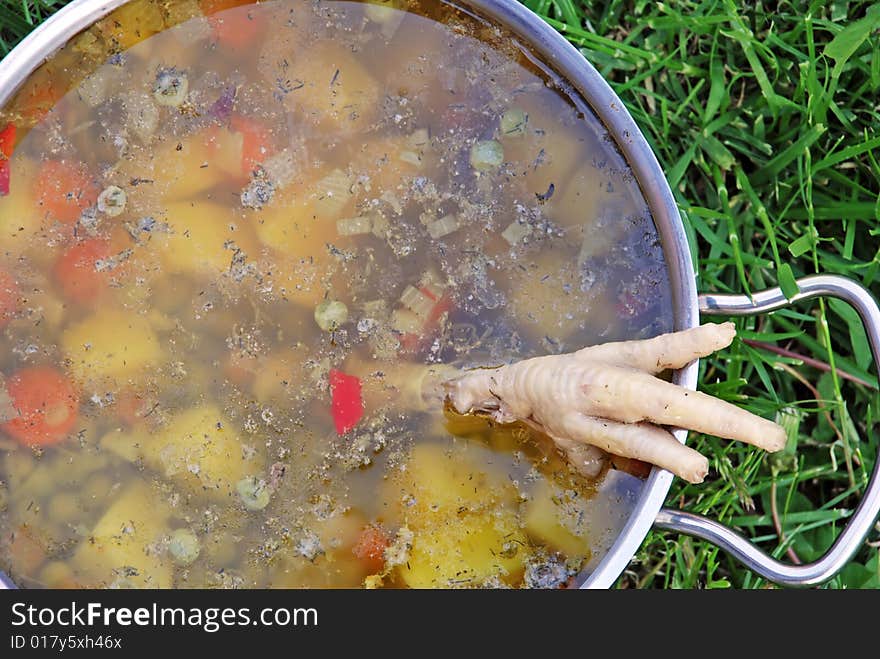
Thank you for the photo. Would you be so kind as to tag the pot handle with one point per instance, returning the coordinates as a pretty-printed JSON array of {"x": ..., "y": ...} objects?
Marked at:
[{"x": 852, "y": 536}]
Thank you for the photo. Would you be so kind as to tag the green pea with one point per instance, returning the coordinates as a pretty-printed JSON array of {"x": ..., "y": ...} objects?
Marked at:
[
  {"x": 253, "y": 492},
  {"x": 184, "y": 546},
  {"x": 330, "y": 314},
  {"x": 112, "y": 201},
  {"x": 513, "y": 123},
  {"x": 171, "y": 87},
  {"x": 487, "y": 155},
  {"x": 509, "y": 549}
]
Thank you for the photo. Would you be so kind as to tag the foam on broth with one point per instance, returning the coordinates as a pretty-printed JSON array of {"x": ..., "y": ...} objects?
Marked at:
[{"x": 274, "y": 157}]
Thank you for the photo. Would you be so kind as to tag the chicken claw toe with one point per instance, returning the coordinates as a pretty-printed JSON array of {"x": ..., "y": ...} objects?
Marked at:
[{"x": 608, "y": 397}]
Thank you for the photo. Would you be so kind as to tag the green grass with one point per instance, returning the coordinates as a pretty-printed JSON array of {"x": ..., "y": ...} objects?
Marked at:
[
  {"x": 19, "y": 17},
  {"x": 767, "y": 122}
]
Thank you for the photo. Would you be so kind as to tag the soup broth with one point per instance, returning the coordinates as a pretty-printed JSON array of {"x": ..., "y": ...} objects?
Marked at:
[{"x": 236, "y": 236}]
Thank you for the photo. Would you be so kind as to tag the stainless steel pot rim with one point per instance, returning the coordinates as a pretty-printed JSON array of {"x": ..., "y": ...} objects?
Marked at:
[{"x": 554, "y": 51}]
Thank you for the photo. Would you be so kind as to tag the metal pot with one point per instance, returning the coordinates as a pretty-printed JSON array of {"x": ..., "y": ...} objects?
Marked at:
[{"x": 551, "y": 48}]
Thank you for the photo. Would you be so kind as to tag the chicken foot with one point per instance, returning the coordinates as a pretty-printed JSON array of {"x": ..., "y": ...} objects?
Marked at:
[{"x": 606, "y": 396}]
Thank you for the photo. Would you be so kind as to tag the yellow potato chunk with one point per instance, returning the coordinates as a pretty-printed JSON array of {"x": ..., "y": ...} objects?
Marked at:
[
  {"x": 49, "y": 306},
  {"x": 299, "y": 220},
  {"x": 461, "y": 512},
  {"x": 123, "y": 443},
  {"x": 17, "y": 466},
  {"x": 545, "y": 154},
  {"x": 465, "y": 551},
  {"x": 281, "y": 44},
  {"x": 132, "y": 23},
  {"x": 200, "y": 450},
  {"x": 176, "y": 170},
  {"x": 546, "y": 297},
  {"x": 560, "y": 154},
  {"x": 110, "y": 345},
  {"x": 338, "y": 93},
  {"x": 297, "y": 262},
  {"x": 122, "y": 548},
  {"x": 582, "y": 200},
  {"x": 294, "y": 571},
  {"x": 69, "y": 470},
  {"x": 64, "y": 508},
  {"x": 201, "y": 162},
  {"x": 280, "y": 376},
  {"x": 333, "y": 567},
  {"x": 558, "y": 518},
  {"x": 202, "y": 238},
  {"x": 446, "y": 479},
  {"x": 413, "y": 72},
  {"x": 289, "y": 224},
  {"x": 58, "y": 574},
  {"x": 19, "y": 212}
]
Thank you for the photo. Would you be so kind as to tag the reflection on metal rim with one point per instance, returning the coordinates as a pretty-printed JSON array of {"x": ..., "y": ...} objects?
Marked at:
[{"x": 552, "y": 49}]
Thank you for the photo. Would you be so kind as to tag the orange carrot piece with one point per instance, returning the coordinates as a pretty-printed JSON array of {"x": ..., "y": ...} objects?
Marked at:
[
  {"x": 76, "y": 271},
  {"x": 410, "y": 342},
  {"x": 443, "y": 305},
  {"x": 370, "y": 547},
  {"x": 239, "y": 369},
  {"x": 64, "y": 189},
  {"x": 235, "y": 30},
  {"x": 133, "y": 406},
  {"x": 257, "y": 143},
  {"x": 36, "y": 99},
  {"x": 25, "y": 551},
  {"x": 47, "y": 406}
]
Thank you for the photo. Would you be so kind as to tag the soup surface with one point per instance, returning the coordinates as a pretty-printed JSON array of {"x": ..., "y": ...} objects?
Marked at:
[{"x": 233, "y": 240}]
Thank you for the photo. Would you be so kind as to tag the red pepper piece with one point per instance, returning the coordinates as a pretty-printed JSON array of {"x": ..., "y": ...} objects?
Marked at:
[
  {"x": 47, "y": 406},
  {"x": 443, "y": 305},
  {"x": 7, "y": 144},
  {"x": 256, "y": 144},
  {"x": 347, "y": 404},
  {"x": 7, "y": 140},
  {"x": 410, "y": 342},
  {"x": 76, "y": 271},
  {"x": 4, "y": 178}
]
